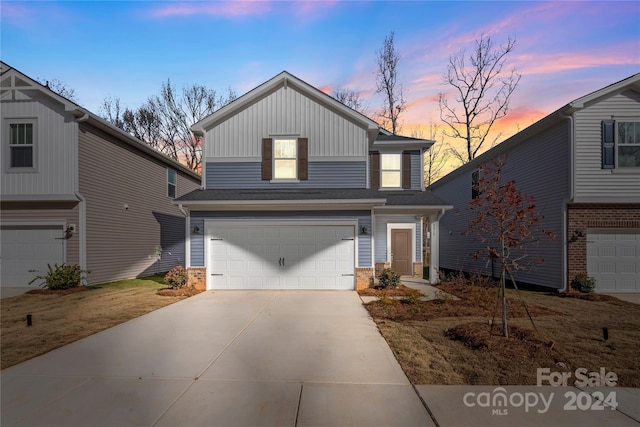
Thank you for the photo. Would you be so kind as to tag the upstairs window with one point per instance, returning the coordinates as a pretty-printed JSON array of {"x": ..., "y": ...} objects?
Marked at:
[
  {"x": 285, "y": 159},
  {"x": 390, "y": 170},
  {"x": 21, "y": 144},
  {"x": 172, "y": 183},
  {"x": 620, "y": 144},
  {"x": 628, "y": 144}
]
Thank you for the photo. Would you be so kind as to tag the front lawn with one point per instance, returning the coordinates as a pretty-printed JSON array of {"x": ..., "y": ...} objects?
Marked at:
[
  {"x": 62, "y": 317},
  {"x": 449, "y": 341}
]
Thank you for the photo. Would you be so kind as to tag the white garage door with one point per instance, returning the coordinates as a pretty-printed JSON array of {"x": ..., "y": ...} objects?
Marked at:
[
  {"x": 613, "y": 259},
  {"x": 26, "y": 251},
  {"x": 281, "y": 257}
]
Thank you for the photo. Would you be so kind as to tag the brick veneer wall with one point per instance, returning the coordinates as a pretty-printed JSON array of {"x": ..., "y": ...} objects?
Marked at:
[
  {"x": 417, "y": 269},
  {"x": 582, "y": 217},
  {"x": 364, "y": 278},
  {"x": 197, "y": 277}
]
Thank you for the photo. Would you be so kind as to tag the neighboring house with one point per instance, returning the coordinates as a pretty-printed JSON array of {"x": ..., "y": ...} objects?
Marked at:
[
  {"x": 301, "y": 192},
  {"x": 582, "y": 165},
  {"x": 77, "y": 190}
]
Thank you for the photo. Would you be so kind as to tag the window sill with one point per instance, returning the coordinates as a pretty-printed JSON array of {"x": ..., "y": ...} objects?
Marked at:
[
  {"x": 284, "y": 181},
  {"x": 626, "y": 170},
  {"x": 22, "y": 170}
]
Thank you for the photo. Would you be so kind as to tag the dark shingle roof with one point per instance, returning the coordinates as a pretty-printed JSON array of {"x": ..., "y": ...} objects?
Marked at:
[{"x": 393, "y": 198}]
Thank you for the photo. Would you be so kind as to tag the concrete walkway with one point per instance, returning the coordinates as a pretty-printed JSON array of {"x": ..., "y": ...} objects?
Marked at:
[{"x": 266, "y": 358}]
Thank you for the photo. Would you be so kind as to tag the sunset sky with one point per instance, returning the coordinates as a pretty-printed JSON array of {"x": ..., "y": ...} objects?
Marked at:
[{"x": 564, "y": 50}]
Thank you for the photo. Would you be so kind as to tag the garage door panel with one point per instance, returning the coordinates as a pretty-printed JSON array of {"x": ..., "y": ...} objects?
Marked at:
[
  {"x": 283, "y": 257},
  {"x": 26, "y": 251},
  {"x": 613, "y": 259}
]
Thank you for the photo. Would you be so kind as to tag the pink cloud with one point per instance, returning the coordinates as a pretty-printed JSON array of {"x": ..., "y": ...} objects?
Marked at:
[
  {"x": 553, "y": 63},
  {"x": 229, "y": 9}
]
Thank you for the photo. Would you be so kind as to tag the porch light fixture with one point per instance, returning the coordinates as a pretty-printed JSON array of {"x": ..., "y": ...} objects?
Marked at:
[
  {"x": 363, "y": 230},
  {"x": 196, "y": 230}
]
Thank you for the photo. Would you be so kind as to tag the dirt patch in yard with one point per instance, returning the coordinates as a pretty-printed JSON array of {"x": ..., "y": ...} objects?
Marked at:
[
  {"x": 400, "y": 291},
  {"x": 60, "y": 318},
  {"x": 450, "y": 341}
]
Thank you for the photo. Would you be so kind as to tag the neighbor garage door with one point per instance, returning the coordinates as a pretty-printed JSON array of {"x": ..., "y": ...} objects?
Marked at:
[
  {"x": 26, "y": 251},
  {"x": 613, "y": 259},
  {"x": 281, "y": 257}
]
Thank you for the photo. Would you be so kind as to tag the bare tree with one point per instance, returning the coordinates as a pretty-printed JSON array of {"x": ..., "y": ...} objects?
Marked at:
[
  {"x": 351, "y": 99},
  {"x": 387, "y": 84},
  {"x": 483, "y": 90},
  {"x": 164, "y": 121},
  {"x": 436, "y": 157},
  {"x": 59, "y": 87}
]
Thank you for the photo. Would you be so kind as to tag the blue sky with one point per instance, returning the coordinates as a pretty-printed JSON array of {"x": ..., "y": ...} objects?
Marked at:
[{"x": 126, "y": 49}]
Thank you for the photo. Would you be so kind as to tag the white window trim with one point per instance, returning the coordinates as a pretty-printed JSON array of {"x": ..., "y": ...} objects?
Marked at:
[
  {"x": 399, "y": 187},
  {"x": 617, "y": 145},
  {"x": 169, "y": 170},
  {"x": 34, "y": 145},
  {"x": 273, "y": 158},
  {"x": 409, "y": 226}
]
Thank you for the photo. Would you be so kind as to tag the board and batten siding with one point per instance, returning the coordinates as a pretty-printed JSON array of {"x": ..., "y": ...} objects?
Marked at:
[
  {"x": 540, "y": 168},
  {"x": 363, "y": 217},
  {"x": 128, "y": 211},
  {"x": 592, "y": 183},
  {"x": 54, "y": 146},
  {"x": 67, "y": 213},
  {"x": 381, "y": 235},
  {"x": 321, "y": 175},
  {"x": 286, "y": 111}
]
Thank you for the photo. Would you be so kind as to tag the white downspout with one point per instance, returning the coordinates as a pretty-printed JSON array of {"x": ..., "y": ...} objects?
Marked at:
[
  {"x": 565, "y": 225},
  {"x": 82, "y": 232}
]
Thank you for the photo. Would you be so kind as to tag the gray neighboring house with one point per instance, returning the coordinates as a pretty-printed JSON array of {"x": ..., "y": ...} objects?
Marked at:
[
  {"x": 77, "y": 190},
  {"x": 301, "y": 192},
  {"x": 582, "y": 165}
]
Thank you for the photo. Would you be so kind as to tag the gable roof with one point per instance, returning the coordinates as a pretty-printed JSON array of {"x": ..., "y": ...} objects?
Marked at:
[
  {"x": 561, "y": 114},
  {"x": 13, "y": 79},
  {"x": 285, "y": 79}
]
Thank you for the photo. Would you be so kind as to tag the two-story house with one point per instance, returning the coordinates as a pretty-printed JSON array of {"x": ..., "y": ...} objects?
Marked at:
[
  {"x": 77, "y": 190},
  {"x": 581, "y": 163},
  {"x": 301, "y": 192}
]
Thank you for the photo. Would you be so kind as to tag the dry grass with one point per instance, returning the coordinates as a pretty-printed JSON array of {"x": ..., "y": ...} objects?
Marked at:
[
  {"x": 450, "y": 341},
  {"x": 62, "y": 317}
]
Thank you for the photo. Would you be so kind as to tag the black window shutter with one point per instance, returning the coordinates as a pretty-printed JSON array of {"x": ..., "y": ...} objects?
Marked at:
[
  {"x": 375, "y": 170},
  {"x": 608, "y": 144},
  {"x": 406, "y": 170},
  {"x": 267, "y": 159},
  {"x": 303, "y": 159}
]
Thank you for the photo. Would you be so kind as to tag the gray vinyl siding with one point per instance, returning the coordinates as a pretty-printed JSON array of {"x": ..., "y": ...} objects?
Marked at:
[
  {"x": 286, "y": 111},
  {"x": 416, "y": 169},
  {"x": 363, "y": 217},
  {"x": 54, "y": 146},
  {"x": 540, "y": 168},
  {"x": 121, "y": 242},
  {"x": 34, "y": 213},
  {"x": 592, "y": 183},
  {"x": 321, "y": 175},
  {"x": 381, "y": 235}
]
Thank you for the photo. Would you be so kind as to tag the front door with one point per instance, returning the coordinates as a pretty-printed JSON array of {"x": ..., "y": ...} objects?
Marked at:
[{"x": 401, "y": 255}]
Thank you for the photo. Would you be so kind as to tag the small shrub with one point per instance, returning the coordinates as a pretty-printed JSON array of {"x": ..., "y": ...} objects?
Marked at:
[
  {"x": 412, "y": 298},
  {"x": 176, "y": 278},
  {"x": 389, "y": 279},
  {"x": 60, "y": 277},
  {"x": 583, "y": 283}
]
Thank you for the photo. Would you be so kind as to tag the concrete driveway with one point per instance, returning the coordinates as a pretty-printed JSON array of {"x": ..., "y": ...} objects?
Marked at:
[{"x": 230, "y": 358}]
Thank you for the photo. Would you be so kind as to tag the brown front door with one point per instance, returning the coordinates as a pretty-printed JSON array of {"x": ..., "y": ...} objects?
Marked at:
[{"x": 401, "y": 256}]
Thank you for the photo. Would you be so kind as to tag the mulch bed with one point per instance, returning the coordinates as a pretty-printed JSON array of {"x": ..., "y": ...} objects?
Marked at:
[
  {"x": 187, "y": 291},
  {"x": 586, "y": 297},
  {"x": 400, "y": 291}
]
